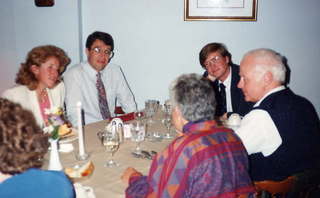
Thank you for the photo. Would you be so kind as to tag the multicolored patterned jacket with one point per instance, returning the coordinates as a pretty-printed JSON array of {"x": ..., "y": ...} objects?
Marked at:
[{"x": 206, "y": 161}]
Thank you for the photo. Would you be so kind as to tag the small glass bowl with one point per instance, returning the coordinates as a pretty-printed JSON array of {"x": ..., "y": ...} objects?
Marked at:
[{"x": 80, "y": 171}]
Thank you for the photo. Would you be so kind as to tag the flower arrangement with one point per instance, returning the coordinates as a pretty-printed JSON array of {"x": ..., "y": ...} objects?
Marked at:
[{"x": 56, "y": 125}]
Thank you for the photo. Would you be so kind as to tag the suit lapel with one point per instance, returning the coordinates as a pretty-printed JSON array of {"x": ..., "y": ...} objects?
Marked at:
[{"x": 235, "y": 91}]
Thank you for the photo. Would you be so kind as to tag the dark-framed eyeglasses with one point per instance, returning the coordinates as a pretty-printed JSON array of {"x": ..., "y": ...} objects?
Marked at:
[
  {"x": 98, "y": 50},
  {"x": 213, "y": 60}
]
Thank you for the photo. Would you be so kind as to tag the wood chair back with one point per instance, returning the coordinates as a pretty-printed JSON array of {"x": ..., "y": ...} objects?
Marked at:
[{"x": 276, "y": 188}]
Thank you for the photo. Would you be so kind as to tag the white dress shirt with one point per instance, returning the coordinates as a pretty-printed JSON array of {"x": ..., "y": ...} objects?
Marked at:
[
  {"x": 80, "y": 82},
  {"x": 258, "y": 131}
]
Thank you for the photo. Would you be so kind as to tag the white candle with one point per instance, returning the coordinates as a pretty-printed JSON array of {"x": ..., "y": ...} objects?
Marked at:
[{"x": 80, "y": 130}]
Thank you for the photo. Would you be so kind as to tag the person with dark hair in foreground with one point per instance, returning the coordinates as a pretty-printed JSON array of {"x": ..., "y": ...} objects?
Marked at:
[
  {"x": 22, "y": 146},
  {"x": 205, "y": 160}
]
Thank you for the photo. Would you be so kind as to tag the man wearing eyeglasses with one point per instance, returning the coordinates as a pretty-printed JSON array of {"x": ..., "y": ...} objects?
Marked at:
[
  {"x": 224, "y": 77},
  {"x": 97, "y": 83}
]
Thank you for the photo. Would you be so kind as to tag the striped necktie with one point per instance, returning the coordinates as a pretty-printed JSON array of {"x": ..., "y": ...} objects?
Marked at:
[
  {"x": 223, "y": 98},
  {"x": 102, "y": 97}
]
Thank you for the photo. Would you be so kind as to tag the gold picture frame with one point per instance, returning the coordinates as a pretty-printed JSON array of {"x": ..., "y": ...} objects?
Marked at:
[{"x": 230, "y": 10}]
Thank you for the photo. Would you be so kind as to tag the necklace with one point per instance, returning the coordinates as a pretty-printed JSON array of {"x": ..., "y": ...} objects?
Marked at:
[
  {"x": 42, "y": 95},
  {"x": 44, "y": 103}
]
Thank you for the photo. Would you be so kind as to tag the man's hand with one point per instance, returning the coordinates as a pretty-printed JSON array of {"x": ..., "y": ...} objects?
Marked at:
[{"x": 224, "y": 117}]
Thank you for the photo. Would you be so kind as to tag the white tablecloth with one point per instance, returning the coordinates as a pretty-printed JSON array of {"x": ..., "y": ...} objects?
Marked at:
[{"x": 106, "y": 181}]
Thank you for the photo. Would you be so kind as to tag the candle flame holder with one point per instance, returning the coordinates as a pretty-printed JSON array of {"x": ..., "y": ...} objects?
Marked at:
[{"x": 82, "y": 157}]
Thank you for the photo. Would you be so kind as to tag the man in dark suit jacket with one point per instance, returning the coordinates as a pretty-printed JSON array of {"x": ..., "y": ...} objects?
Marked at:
[{"x": 224, "y": 76}]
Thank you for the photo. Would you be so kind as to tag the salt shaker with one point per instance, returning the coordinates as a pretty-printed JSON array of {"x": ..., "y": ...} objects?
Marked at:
[{"x": 120, "y": 132}]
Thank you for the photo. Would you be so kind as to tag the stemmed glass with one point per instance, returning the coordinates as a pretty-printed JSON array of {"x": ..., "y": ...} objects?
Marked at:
[
  {"x": 137, "y": 135},
  {"x": 167, "y": 121},
  {"x": 110, "y": 140},
  {"x": 151, "y": 107},
  {"x": 138, "y": 115}
]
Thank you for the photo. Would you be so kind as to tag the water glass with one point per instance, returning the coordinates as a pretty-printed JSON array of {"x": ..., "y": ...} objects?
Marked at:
[
  {"x": 167, "y": 120},
  {"x": 151, "y": 107},
  {"x": 137, "y": 135}
]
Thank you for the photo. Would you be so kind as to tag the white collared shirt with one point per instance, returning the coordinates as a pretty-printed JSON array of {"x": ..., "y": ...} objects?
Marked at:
[
  {"x": 258, "y": 131},
  {"x": 80, "y": 82}
]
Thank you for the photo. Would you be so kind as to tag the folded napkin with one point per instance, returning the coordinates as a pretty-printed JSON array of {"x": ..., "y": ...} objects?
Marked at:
[
  {"x": 65, "y": 148},
  {"x": 127, "y": 130},
  {"x": 83, "y": 191},
  {"x": 125, "y": 117}
]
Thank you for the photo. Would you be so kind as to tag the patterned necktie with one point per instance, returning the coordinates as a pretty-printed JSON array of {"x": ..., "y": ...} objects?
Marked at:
[
  {"x": 102, "y": 97},
  {"x": 223, "y": 98}
]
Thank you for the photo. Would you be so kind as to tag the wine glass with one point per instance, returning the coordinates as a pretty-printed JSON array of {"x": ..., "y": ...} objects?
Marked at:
[
  {"x": 167, "y": 123},
  {"x": 137, "y": 135},
  {"x": 138, "y": 115},
  {"x": 167, "y": 120},
  {"x": 110, "y": 140},
  {"x": 151, "y": 107}
]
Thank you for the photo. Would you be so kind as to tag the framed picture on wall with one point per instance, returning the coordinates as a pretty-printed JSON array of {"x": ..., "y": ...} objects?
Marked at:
[{"x": 234, "y": 10}]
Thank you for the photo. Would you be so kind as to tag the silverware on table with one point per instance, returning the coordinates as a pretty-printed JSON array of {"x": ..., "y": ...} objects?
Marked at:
[{"x": 144, "y": 154}]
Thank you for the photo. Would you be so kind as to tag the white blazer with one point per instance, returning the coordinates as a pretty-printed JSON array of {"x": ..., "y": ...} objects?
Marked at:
[{"x": 28, "y": 99}]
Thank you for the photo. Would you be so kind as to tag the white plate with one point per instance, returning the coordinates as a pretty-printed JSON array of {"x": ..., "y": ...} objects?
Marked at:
[{"x": 70, "y": 137}]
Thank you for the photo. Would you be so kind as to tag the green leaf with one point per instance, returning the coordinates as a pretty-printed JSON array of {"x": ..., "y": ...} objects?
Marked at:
[{"x": 55, "y": 133}]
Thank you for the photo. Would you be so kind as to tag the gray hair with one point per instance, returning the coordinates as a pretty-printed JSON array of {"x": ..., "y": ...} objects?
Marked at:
[
  {"x": 268, "y": 60},
  {"x": 194, "y": 97}
]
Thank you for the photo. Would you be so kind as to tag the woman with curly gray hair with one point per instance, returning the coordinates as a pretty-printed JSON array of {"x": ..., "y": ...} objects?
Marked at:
[
  {"x": 205, "y": 160},
  {"x": 22, "y": 144},
  {"x": 38, "y": 81}
]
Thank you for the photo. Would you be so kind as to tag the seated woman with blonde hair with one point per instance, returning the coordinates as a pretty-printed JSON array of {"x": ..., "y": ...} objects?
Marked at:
[
  {"x": 205, "y": 160},
  {"x": 22, "y": 146},
  {"x": 38, "y": 81}
]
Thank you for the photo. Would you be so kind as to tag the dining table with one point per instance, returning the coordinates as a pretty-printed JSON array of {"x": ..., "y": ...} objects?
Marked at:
[{"x": 106, "y": 181}]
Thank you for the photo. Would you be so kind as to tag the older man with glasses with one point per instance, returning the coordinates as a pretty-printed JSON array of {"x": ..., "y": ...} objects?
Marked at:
[
  {"x": 97, "y": 83},
  {"x": 224, "y": 76}
]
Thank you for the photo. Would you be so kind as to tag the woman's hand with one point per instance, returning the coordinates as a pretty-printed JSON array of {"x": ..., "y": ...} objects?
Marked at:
[{"x": 128, "y": 173}]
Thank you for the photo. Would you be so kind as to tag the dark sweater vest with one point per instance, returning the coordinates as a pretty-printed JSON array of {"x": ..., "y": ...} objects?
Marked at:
[{"x": 299, "y": 128}]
